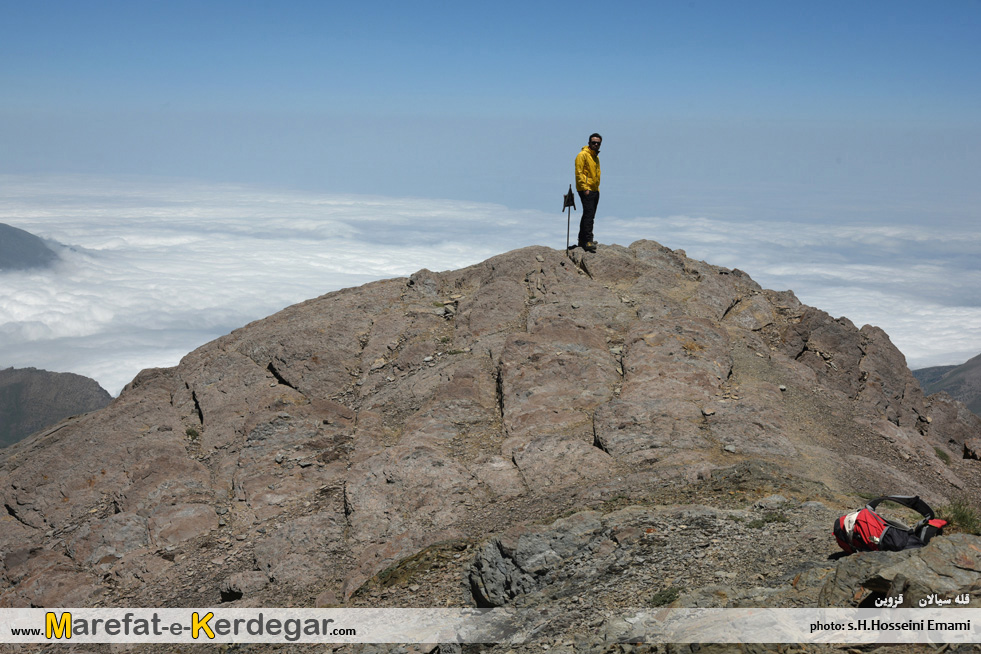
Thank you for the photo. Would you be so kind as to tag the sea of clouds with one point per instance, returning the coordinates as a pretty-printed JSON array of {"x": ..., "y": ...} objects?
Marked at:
[{"x": 152, "y": 269}]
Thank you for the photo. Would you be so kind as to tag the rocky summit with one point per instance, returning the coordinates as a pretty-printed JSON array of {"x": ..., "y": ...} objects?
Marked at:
[{"x": 631, "y": 428}]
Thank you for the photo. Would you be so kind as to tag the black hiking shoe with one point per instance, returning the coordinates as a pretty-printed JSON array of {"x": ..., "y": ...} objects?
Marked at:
[{"x": 590, "y": 246}]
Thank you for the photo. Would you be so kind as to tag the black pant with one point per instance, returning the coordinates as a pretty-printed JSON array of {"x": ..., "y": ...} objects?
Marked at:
[{"x": 589, "y": 203}]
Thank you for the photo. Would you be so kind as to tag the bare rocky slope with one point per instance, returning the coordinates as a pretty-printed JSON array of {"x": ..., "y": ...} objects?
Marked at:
[{"x": 619, "y": 429}]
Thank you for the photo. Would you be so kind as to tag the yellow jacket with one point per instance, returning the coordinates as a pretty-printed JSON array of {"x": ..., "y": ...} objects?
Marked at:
[{"x": 587, "y": 170}]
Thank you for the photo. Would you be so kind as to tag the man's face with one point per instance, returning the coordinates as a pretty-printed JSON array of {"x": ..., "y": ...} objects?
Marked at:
[{"x": 594, "y": 144}]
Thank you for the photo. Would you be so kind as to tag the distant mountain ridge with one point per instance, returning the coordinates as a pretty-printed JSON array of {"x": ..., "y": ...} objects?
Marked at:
[
  {"x": 961, "y": 382},
  {"x": 31, "y": 400},
  {"x": 20, "y": 250}
]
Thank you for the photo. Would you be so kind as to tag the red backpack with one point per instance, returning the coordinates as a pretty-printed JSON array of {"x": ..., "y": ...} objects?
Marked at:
[{"x": 865, "y": 530}]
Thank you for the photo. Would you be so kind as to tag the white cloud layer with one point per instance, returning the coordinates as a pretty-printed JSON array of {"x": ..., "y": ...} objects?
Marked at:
[{"x": 153, "y": 269}]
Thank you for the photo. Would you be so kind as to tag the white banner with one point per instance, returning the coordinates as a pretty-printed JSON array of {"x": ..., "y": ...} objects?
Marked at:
[{"x": 256, "y": 625}]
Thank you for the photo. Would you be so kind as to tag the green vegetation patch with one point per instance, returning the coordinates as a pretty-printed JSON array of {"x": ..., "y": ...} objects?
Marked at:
[
  {"x": 768, "y": 518},
  {"x": 665, "y": 596},
  {"x": 962, "y": 517},
  {"x": 407, "y": 570}
]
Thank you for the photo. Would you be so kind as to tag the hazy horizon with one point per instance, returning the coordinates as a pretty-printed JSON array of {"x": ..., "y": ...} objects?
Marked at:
[{"x": 172, "y": 265}]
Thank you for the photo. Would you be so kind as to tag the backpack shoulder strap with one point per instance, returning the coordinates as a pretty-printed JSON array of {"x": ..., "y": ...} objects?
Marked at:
[{"x": 910, "y": 501}]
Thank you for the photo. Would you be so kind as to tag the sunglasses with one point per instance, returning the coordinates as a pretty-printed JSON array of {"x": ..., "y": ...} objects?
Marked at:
[{"x": 595, "y": 142}]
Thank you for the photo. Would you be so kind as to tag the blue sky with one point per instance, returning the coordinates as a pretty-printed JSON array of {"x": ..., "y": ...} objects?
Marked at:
[
  {"x": 505, "y": 59},
  {"x": 856, "y": 124},
  {"x": 472, "y": 100}
]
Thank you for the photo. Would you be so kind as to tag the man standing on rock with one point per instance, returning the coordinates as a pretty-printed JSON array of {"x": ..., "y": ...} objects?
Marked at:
[{"x": 587, "y": 183}]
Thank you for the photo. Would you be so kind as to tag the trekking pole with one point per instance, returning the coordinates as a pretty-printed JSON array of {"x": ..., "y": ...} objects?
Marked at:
[{"x": 569, "y": 202}]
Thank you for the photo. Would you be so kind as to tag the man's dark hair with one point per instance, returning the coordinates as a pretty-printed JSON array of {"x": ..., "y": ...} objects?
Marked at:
[{"x": 594, "y": 135}]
